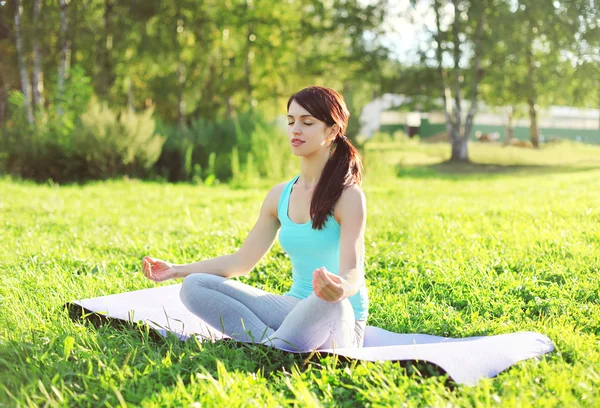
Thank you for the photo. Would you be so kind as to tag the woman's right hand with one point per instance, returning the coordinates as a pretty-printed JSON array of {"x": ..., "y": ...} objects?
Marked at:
[{"x": 157, "y": 270}]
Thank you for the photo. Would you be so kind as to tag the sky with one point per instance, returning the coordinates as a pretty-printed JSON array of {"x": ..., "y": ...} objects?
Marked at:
[{"x": 406, "y": 28}]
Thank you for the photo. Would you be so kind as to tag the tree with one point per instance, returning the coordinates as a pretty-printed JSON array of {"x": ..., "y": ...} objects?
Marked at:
[
  {"x": 456, "y": 36},
  {"x": 7, "y": 68},
  {"x": 586, "y": 53},
  {"x": 22, "y": 62},
  {"x": 64, "y": 52},
  {"x": 546, "y": 33},
  {"x": 38, "y": 76}
]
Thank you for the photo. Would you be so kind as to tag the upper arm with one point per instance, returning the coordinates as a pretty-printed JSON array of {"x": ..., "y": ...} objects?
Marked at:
[
  {"x": 263, "y": 234},
  {"x": 351, "y": 210}
]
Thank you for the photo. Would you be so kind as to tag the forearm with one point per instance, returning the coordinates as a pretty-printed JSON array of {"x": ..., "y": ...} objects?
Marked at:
[
  {"x": 353, "y": 280},
  {"x": 226, "y": 266}
]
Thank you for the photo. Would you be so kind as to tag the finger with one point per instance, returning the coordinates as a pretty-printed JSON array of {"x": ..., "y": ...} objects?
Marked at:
[
  {"x": 318, "y": 285},
  {"x": 320, "y": 273},
  {"x": 151, "y": 269},
  {"x": 335, "y": 278},
  {"x": 317, "y": 290},
  {"x": 328, "y": 294},
  {"x": 322, "y": 285},
  {"x": 320, "y": 280},
  {"x": 325, "y": 276},
  {"x": 323, "y": 293},
  {"x": 331, "y": 280}
]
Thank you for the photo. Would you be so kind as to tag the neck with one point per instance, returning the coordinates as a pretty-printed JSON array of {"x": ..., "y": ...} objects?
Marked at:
[{"x": 311, "y": 168}]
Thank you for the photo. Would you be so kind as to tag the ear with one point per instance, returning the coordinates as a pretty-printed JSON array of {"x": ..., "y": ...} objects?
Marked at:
[{"x": 333, "y": 131}]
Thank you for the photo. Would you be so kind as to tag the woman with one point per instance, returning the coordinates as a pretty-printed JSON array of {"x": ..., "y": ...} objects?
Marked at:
[{"x": 322, "y": 214}]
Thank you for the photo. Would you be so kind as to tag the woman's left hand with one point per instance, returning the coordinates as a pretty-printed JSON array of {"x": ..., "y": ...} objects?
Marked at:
[{"x": 328, "y": 286}]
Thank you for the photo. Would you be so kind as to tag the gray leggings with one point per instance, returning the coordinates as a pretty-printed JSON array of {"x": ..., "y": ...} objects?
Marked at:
[{"x": 246, "y": 313}]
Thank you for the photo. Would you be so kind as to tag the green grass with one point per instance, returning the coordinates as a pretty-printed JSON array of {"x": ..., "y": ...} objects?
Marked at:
[{"x": 510, "y": 245}]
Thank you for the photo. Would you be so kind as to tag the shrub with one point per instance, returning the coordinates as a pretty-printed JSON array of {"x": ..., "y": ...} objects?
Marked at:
[
  {"x": 243, "y": 149},
  {"x": 98, "y": 145},
  {"x": 111, "y": 144}
]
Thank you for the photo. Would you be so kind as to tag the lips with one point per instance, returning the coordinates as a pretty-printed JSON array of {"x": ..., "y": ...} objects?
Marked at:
[{"x": 297, "y": 142}]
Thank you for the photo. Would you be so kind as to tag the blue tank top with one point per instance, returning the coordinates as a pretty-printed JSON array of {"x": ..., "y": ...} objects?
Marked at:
[{"x": 310, "y": 249}]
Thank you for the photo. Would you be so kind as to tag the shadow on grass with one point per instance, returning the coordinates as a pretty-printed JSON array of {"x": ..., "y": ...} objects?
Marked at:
[
  {"x": 270, "y": 360},
  {"x": 460, "y": 171}
]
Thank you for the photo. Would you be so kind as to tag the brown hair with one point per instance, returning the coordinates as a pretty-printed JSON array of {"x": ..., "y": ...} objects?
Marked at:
[{"x": 344, "y": 167}]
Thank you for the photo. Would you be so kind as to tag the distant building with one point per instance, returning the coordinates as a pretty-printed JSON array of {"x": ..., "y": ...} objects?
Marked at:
[{"x": 556, "y": 122}]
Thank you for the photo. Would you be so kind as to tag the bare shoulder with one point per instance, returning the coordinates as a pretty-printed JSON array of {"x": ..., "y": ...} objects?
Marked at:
[
  {"x": 352, "y": 203},
  {"x": 354, "y": 193},
  {"x": 272, "y": 199}
]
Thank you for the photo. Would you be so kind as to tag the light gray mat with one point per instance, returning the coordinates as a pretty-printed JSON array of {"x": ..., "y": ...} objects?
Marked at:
[{"x": 466, "y": 360}]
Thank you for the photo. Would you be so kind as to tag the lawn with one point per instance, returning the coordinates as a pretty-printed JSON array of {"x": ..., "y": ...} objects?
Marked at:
[{"x": 508, "y": 243}]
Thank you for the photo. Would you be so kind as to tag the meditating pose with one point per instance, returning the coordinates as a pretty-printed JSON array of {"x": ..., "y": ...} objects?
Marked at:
[{"x": 320, "y": 215}]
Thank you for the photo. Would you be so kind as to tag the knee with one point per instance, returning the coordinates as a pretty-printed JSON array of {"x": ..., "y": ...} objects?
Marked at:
[
  {"x": 195, "y": 283},
  {"x": 338, "y": 309}
]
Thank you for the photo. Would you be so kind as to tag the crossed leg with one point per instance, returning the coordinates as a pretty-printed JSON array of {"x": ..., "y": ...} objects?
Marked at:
[{"x": 249, "y": 314}]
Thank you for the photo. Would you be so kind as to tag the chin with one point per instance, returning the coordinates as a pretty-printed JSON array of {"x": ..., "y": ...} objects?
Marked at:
[
  {"x": 296, "y": 153},
  {"x": 302, "y": 152},
  {"x": 305, "y": 152}
]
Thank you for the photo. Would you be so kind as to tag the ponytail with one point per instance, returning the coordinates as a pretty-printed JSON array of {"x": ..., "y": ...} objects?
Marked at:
[{"x": 343, "y": 169}]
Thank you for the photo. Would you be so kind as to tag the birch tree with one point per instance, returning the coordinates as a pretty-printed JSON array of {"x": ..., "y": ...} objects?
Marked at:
[
  {"x": 22, "y": 62},
  {"x": 455, "y": 38},
  {"x": 64, "y": 47},
  {"x": 38, "y": 76}
]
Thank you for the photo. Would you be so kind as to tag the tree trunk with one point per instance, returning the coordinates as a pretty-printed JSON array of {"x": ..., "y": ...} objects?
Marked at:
[
  {"x": 38, "y": 76},
  {"x": 249, "y": 54},
  {"x": 457, "y": 70},
  {"x": 460, "y": 151},
  {"x": 181, "y": 106},
  {"x": 458, "y": 142},
  {"x": 534, "y": 133},
  {"x": 64, "y": 50},
  {"x": 446, "y": 96},
  {"x": 22, "y": 63},
  {"x": 3, "y": 99},
  {"x": 477, "y": 75},
  {"x": 106, "y": 69},
  {"x": 510, "y": 129},
  {"x": 181, "y": 70}
]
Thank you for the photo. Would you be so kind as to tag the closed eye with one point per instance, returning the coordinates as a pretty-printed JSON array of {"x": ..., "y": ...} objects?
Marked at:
[{"x": 307, "y": 124}]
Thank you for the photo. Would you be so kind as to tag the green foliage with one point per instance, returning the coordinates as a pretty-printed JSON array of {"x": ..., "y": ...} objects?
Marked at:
[
  {"x": 39, "y": 152},
  {"x": 87, "y": 141},
  {"x": 246, "y": 148},
  {"x": 77, "y": 94},
  {"x": 264, "y": 147},
  {"x": 111, "y": 144}
]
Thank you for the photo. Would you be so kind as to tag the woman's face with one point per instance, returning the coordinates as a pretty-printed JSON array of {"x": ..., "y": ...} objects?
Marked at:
[{"x": 307, "y": 134}]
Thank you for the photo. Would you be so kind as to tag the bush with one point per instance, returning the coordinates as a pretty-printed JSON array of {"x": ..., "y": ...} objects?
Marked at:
[
  {"x": 38, "y": 152},
  {"x": 111, "y": 144},
  {"x": 90, "y": 141},
  {"x": 243, "y": 149},
  {"x": 98, "y": 145}
]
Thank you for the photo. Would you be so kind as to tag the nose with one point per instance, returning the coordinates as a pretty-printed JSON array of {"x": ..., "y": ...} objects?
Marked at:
[{"x": 296, "y": 129}]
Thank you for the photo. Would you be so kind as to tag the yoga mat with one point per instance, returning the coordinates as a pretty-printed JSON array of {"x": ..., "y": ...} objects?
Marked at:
[{"x": 466, "y": 360}]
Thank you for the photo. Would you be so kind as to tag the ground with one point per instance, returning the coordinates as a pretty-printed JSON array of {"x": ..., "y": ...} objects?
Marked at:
[{"x": 508, "y": 243}]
